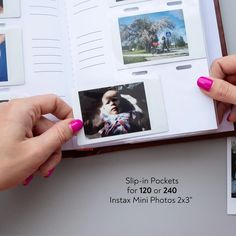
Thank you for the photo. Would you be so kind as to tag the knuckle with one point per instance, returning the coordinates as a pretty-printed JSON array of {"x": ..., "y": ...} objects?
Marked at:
[
  {"x": 224, "y": 92},
  {"x": 61, "y": 135},
  {"x": 215, "y": 68}
]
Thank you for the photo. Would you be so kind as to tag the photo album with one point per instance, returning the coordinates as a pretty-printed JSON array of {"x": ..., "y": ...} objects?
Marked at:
[{"x": 129, "y": 68}]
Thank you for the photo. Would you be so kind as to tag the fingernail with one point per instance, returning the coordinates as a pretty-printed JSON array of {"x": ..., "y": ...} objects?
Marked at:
[
  {"x": 50, "y": 172},
  {"x": 76, "y": 125},
  {"x": 28, "y": 180},
  {"x": 228, "y": 118},
  {"x": 205, "y": 83}
]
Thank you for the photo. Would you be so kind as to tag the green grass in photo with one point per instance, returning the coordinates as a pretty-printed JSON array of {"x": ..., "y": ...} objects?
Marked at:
[{"x": 129, "y": 60}]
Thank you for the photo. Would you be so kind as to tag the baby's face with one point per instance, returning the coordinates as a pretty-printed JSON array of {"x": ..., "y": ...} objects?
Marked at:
[{"x": 110, "y": 102}]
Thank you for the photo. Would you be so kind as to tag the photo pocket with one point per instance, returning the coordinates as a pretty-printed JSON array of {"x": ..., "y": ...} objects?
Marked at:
[
  {"x": 121, "y": 111},
  {"x": 114, "y": 3},
  {"x": 10, "y": 9},
  {"x": 11, "y": 58},
  {"x": 157, "y": 34}
]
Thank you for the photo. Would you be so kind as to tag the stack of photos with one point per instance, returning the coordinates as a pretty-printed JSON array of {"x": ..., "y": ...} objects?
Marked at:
[
  {"x": 233, "y": 169},
  {"x": 3, "y": 59},
  {"x": 154, "y": 36},
  {"x": 114, "y": 110},
  {"x": 231, "y": 175}
]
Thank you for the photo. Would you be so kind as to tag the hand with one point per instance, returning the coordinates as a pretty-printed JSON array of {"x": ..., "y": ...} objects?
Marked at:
[
  {"x": 221, "y": 86},
  {"x": 29, "y": 142}
]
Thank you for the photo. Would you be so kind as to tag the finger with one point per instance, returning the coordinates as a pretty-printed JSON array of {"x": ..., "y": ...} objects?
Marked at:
[
  {"x": 50, "y": 104},
  {"x": 218, "y": 89},
  {"x": 42, "y": 125},
  {"x": 54, "y": 105},
  {"x": 47, "y": 168},
  {"x": 223, "y": 67},
  {"x": 231, "y": 79},
  {"x": 232, "y": 115},
  {"x": 222, "y": 108},
  {"x": 43, "y": 146}
]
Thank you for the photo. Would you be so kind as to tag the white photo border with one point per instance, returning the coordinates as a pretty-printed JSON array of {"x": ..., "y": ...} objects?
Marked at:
[
  {"x": 15, "y": 58},
  {"x": 11, "y": 9},
  {"x": 156, "y": 108},
  {"x": 195, "y": 35}
]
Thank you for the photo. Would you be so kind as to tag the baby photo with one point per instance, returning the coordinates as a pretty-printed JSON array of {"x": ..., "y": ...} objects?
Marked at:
[
  {"x": 114, "y": 110},
  {"x": 154, "y": 36},
  {"x": 3, "y": 59}
]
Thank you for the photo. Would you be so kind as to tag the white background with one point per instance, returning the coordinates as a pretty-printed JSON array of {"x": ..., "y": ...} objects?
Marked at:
[{"x": 74, "y": 200}]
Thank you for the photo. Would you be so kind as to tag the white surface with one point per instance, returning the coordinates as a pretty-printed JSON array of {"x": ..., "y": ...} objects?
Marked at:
[{"x": 74, "y": 200}]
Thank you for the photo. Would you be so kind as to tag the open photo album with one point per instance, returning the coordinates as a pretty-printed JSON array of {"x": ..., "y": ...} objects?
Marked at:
[{"x": 129, "y": 68}]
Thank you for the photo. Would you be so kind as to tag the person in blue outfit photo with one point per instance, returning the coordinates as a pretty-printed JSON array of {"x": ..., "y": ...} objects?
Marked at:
[{"x": 3, "y": 59}]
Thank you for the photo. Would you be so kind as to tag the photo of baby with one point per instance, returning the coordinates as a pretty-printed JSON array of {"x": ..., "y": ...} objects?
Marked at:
[
  {"x": 1, "y": 6},
  {"x": 153, "y": 36},
  {"x": 114, "y": 110},
  {"x": 3, "y": 59}
]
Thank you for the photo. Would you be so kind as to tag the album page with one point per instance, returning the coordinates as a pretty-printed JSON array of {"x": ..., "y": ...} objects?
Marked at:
[
  {"x": 88, "y": 52},
  {"x": 35, "y": 54},
  {"x": 119, "y": 54}
]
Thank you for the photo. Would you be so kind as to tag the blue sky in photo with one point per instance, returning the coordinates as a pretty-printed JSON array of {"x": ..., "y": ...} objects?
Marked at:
[{"x": 175, "y": 16}]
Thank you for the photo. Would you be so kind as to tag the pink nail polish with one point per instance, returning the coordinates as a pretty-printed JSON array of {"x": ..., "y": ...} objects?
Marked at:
[
  {"x": 28, "y": 180},
  {"x": 205, "y": 83},
  {"x": 76, "y": 126},
  {"x": 50, "y": 173}
]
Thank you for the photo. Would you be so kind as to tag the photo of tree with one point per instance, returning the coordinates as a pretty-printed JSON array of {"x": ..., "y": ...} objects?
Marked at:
[{"x": 153, "y": 36}]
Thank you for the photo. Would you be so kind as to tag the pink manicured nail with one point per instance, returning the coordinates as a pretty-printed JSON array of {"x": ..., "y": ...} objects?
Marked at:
[
  {"x": 205, "y": 83},
  {"x": 76, "y": 126},
  {"x": 28, "y": 180},
  {"x": 50, "y": 172}
]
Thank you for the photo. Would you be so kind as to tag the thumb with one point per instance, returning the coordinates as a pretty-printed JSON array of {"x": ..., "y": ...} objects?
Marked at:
[
  {"x": 56, "y": 136},
  {"x": 218, "y": 89}
]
